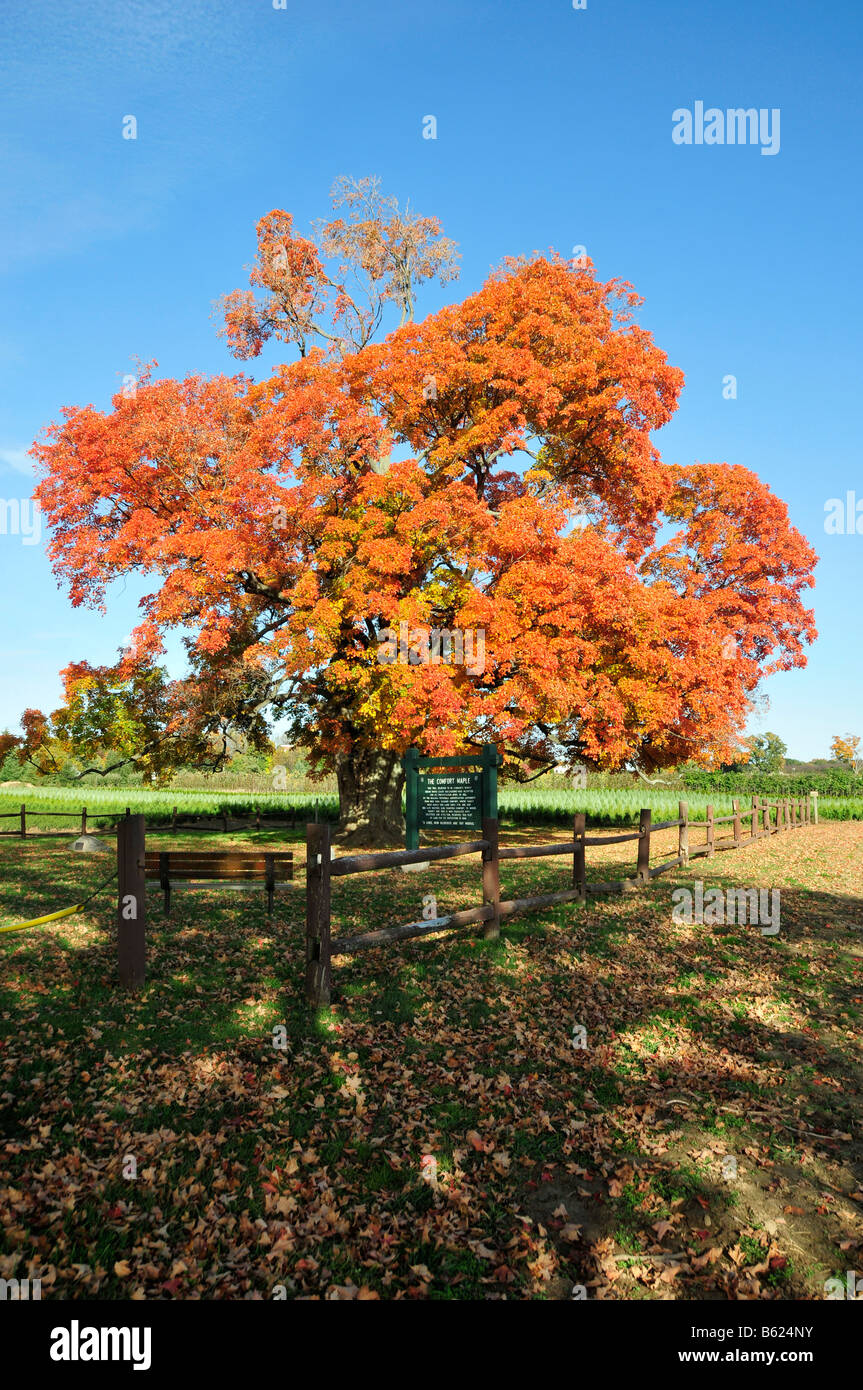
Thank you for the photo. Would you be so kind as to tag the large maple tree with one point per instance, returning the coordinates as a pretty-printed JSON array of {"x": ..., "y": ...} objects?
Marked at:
[{"x": 487, "y": 469}]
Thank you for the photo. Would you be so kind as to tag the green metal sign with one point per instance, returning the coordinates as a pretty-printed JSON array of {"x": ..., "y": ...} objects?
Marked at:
[
  {"x": 454, "y": 793},
  {"x": 450, "y": 802}
]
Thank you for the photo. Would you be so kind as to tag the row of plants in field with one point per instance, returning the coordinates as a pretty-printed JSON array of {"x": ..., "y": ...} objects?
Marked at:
[
  {"x": 518, "y": 805},
  {"x": 836, "y": 782},
  {"x": 106, "y": 805},
  {"x": 552, "y": 806}
]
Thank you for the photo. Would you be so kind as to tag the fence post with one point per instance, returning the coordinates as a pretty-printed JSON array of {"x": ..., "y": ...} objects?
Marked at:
[
  {"x": 174, "y": 821},
  {"x": 753, "y": 829},
  {"x": 710, "y": 831},
  {"x": 643, "y": 866},
  {"x": 83, "y": 820},
  {"x": 491, "y": 877},
  {"x": 131, "y": 902},
  {"x": 411, "y": 767},
  {"x": 318, "y": 968},
  {"x": 735, "y": 806},
  {"x": 683, "y": 831},
  {"x": 766, "y": 819},
  {"x": 814, "y": 805},
  {"x": 579, "y": 866},
  {"x": 785, "y": 813},
  {"x": 23, "y": 820}
]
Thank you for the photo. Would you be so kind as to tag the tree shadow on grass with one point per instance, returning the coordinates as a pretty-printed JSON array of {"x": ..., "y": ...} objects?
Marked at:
[
  {"x": 632, "y": 943},
  {"x": 465, "y": 1037}
]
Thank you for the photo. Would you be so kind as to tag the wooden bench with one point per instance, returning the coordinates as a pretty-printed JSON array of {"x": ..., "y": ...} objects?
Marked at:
[{"x": 233, "y": 869}]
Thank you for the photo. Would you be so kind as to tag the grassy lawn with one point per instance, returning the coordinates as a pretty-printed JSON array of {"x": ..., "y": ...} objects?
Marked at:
[{"x": 434, "y": 1133}]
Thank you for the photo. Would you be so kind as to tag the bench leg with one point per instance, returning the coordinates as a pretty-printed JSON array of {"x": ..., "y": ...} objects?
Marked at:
[{"x": 270, "y": 881}]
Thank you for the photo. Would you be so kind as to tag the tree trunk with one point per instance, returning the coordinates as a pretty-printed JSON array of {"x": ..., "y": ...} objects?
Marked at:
[{"x": 370, "y": 799}]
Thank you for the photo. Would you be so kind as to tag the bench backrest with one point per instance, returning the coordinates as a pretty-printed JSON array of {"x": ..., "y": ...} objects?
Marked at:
[{"x": 218, "y": 864}]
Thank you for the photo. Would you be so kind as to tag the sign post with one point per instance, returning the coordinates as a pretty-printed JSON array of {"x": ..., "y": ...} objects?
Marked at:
[
  {"x": 411, "y": 763},
  {"x": 131, "y": 902},
  {"x": 456, "y": 793}
]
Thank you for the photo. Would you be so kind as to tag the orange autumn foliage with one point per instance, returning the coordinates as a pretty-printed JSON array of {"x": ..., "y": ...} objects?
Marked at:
[{"x": 489, "y": 467}]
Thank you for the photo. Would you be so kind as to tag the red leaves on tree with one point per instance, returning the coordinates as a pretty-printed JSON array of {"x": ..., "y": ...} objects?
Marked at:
[{"x": 489, "y": 468}]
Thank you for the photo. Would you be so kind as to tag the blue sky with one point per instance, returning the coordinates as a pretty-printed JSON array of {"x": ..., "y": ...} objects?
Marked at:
[{"x": 554, "y": 129}]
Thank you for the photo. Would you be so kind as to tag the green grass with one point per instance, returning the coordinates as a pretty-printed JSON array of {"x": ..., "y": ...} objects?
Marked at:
[{"x": 460, "y": 1048}]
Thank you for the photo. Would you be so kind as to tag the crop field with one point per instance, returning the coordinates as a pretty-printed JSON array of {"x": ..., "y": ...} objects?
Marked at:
[
  {"x": 105, "y": 806},
  {"x": 538, "y": 805},
  {"x": 621, "y": 806}
]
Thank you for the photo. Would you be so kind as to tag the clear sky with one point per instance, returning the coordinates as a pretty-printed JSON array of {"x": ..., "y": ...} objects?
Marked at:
[{"x": 554, "y": 129}]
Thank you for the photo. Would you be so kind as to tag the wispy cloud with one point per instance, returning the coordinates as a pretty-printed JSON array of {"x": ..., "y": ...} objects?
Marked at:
[
  {"x": 48, "y": 214},
  {"x": 73, "y": 225},
  {"x": 18, "y": 460}
]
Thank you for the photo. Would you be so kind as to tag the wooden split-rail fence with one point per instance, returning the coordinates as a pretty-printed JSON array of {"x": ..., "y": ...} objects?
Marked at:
[
  {"x": 764, "y": 817},
  {"x": 258, "y": 866},
  {"x": 219, "y": 821}
]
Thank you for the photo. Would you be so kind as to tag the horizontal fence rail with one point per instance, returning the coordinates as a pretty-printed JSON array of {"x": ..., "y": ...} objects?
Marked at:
[
  {"x": 222, "y": 821},
  {"x": 394, "y": 859},
  {"x": 321, "y": 868},
  {"x": 766, "y": 818},
  {"x": 800, "y": 811},
  {"x": 133, "y": 863}
]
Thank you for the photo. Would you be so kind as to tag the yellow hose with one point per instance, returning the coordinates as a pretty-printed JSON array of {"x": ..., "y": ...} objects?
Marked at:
[
  {"x": 64, "y": 912},
  {"x": 37, "y": 921}
]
